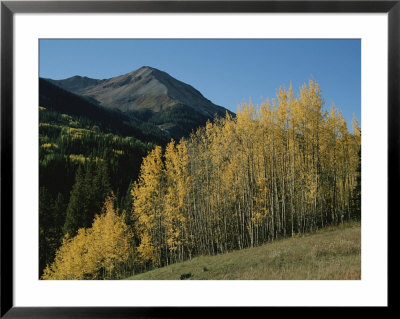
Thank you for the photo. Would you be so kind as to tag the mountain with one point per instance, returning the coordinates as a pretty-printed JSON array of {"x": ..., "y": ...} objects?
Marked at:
[
  {"x": 145, "y": 88},
  {"x": 151, "y": 95}
]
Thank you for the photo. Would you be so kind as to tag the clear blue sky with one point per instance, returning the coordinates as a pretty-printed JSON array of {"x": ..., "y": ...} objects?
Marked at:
[{"x": 228, "y": 72}]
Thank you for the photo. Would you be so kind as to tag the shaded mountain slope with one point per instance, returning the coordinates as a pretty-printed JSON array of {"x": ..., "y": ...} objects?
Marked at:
[
  {"x": 58, "y": 99},
  {"x": 76, "y": 84}
]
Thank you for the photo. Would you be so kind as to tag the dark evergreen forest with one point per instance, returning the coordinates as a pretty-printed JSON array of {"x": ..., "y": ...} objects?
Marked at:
[{"x": 79, "y": 165}]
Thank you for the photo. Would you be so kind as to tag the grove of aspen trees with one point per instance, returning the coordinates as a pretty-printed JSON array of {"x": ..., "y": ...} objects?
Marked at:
[{"x": 280, "y": 169}]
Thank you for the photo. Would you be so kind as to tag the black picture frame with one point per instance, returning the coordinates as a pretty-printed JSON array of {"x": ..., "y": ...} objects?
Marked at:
[{"x": 9, "y": 8}]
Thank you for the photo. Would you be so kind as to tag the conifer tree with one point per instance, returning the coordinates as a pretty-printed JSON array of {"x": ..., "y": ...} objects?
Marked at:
[
  {"x": 45, "y": 225},
  {"x": 77, "y": 205}
]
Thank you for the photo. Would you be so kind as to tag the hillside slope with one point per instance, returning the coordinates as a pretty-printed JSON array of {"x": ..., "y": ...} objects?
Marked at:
[
  {"x": 55, "y": 98},
  {"x": 333, "y": 253}
]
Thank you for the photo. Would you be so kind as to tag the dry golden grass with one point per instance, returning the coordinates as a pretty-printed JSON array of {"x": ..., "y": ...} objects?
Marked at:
[{"x": 333, "y": 253}]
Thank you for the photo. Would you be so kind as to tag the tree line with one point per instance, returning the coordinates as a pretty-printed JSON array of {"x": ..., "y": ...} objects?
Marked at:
[{"x": 281, "y": 169}]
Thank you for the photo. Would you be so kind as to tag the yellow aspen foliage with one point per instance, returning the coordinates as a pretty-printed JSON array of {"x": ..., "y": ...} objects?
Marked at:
[
  {"x": 177, "y": 182},
  {"x": 147, "y": 208},
  {"x": 98, "y": 252},
  {"x": 282, "y": 168}
]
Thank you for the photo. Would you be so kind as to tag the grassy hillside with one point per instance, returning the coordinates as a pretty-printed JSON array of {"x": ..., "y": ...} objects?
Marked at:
[{"x": 333, "y": 253}]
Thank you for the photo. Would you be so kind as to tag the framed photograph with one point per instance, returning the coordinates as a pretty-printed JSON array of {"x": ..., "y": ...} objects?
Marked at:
[{"x": 158, "y": 156}]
